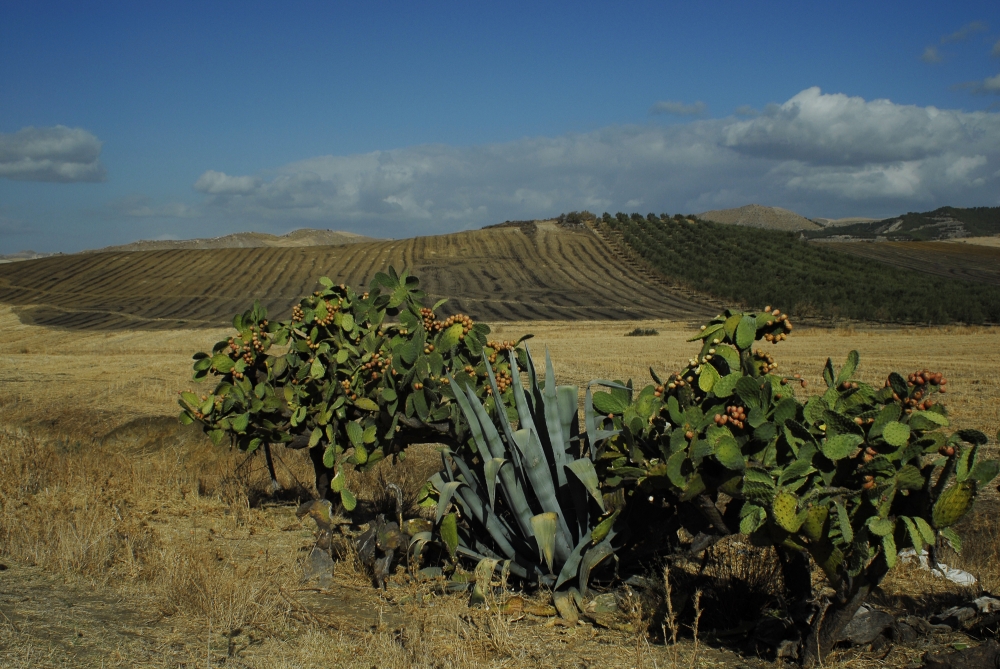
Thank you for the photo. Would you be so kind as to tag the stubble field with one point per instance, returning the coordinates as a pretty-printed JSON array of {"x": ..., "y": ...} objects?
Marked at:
[{"x": 126, "y": 541}]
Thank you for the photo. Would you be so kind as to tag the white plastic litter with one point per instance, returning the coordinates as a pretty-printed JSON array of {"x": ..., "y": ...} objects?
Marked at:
[
  {"x": 987, "y": 604},
  {"x": 941, "y": 570}
]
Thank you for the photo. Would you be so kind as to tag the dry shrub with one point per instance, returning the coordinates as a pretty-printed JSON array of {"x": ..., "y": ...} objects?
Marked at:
[{"x": 742, "y": 581}]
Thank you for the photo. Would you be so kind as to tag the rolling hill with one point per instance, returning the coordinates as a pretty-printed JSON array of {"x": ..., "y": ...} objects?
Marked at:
[
  {"x": 759, "y": 216},
  {"x": 755, "y": 267},
  {"x": 941, "y": 224},
  {"x": 245, "y": 240},
  {"x": 540, "y": 271}
]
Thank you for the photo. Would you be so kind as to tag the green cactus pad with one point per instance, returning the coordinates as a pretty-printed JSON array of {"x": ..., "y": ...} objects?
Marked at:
[
  {"x": 815, "y": 521},
  {"x": 784, "y": 508},
  {"x": 896, "y": 434},
  {"x": 840, "y": 446},
  {"x": 953, "y": 503}
]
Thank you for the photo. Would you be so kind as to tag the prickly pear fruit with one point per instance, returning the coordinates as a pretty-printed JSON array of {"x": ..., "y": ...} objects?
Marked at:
[
  {"x": 953, "y": 504},
  {"x": 785, "y": 511}
]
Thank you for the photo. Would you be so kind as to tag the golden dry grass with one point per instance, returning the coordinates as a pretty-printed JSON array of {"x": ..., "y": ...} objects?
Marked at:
[{"x": 130, "y": 543}]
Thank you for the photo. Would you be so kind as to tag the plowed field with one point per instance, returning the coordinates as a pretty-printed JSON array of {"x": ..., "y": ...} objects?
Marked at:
[{"x": 541, "y": 272}]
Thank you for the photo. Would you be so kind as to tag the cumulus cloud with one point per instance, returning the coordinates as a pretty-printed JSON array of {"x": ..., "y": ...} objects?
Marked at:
[
  {"x": 820, "y": 129},
  {"x": 813, "y": 153},
  {"x": 678, "y": 108},
  {"x": 996, "y": 49},
  {"x": 57, "y": 154},
  {"x": 988, "y": 86},
  {"x": 220, "y": 183},
  {"x": 931, "y": 55},
  {"x": 965, "y": 32},
  {"x": 746, "y": 110}
]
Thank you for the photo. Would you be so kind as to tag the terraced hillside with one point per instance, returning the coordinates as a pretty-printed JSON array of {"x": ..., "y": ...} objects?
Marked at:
[{"x": 534, "y": 272}]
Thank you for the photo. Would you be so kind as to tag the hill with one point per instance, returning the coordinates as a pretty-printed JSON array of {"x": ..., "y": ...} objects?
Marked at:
[
  {"x": 25, "y": 255},
  {"x": 539, "y": 272},
  {"x": 759, "y": 216},
  {"x": 968, "y": 262},
  {"x": 245, "y": 240},
  {"x": 941, "y": 224},
  {"x": 756, "y": 267},
  {"x": 838, "y": 222}
]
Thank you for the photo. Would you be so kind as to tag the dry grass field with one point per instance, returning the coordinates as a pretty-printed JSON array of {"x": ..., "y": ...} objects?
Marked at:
[
  {"x": 127, "y": 541},
  {"x": 976, "y": 261},
  {"x": 534, "y": 272}
]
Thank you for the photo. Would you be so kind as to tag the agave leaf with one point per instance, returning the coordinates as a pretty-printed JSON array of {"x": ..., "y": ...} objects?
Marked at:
[
  {"x": 447, "y": 492},
  {"x": 585, "y": 472},
  {"x": 592, "y": 558},
  {"x": 492, "y": 469},
  {"x": 476, "y": 506},
  {"x": 569, "y": 568},
  {"x": 553, "y": 421},
  {"x": 544, "y": 525},
  {"x": 490, "y": 443},
  {"x": 484, "y": 575},
  {"x": 542, "y": 484}
]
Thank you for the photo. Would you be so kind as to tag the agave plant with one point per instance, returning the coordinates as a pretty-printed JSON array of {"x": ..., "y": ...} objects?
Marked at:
[{"x": 524, "y": 490}]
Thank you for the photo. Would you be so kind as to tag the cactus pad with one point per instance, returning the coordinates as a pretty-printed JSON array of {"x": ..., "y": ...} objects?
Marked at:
[
  {"x": 953, "y": 504},
  {"x": 785, "y": 511}
]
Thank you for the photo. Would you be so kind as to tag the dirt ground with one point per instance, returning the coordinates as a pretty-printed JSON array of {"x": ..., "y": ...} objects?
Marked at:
[{"x": 128, "y": 541}]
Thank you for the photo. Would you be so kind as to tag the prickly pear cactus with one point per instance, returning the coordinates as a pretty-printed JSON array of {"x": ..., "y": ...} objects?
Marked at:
[
  {"x": 851, "y": 475},
  {"x": 351, "y": 376}
]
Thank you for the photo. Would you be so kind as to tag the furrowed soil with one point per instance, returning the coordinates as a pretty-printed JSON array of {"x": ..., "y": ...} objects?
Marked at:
[
  {"x": 128, "y": 541},
  {"x": 537, "y": 271}
]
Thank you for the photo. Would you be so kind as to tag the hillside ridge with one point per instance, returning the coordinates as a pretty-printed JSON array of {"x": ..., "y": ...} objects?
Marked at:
[
  {"x": 243, "y": 240},
  {"x": 760, "y": 216}
]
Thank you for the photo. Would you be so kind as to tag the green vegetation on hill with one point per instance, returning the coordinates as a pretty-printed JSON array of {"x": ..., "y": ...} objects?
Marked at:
[
  {"x": 757, "y": 267},
  {"x": 943, "y": 223}
]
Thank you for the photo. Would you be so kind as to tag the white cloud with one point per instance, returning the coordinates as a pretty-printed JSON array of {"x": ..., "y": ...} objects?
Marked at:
[
  {"x": 220, "y": 183},
  {"x": 58, "y": 154},
  {"x": 965, "y": 32},
  {"x": 813, "y": 153},
  {"x": 678, "y": 108},
  {"x": 996, "y": 49},
  {"x": 931, "y": 55},
  {"x": 823, "y": 129},
  {"x": 992, "y": 84}
]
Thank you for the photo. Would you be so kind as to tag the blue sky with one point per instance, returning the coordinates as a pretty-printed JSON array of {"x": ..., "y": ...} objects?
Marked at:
[{"x": 136, "y": 121}]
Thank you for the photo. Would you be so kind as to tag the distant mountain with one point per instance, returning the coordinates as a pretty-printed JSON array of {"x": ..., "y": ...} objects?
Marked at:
[
  {"x": 759, "y": 216},
  {"x": 941, "y": 224},
  {"x": 24, "y": 255},
  {"x": 243, "y": 240}
]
